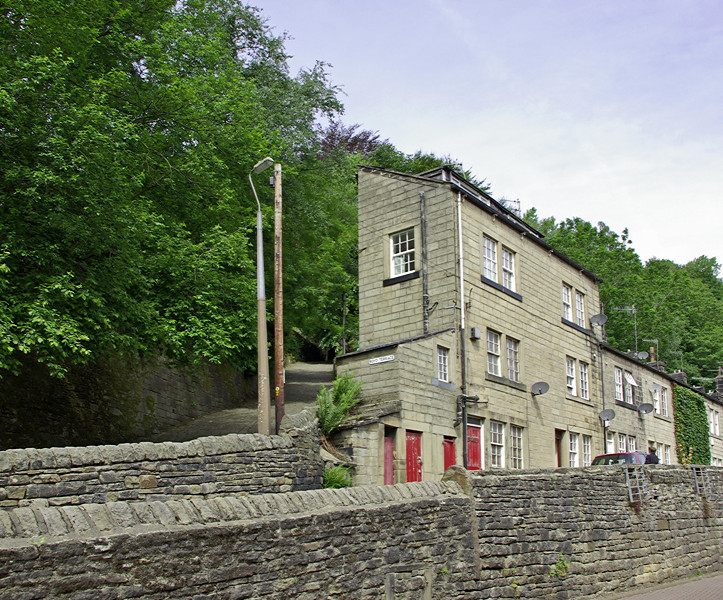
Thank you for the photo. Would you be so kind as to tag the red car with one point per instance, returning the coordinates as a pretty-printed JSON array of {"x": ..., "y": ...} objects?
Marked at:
[{"x": 620, "y": 458}]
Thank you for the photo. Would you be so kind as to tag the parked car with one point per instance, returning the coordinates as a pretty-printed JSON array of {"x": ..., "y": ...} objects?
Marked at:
[{"x": 620, "y": 458}]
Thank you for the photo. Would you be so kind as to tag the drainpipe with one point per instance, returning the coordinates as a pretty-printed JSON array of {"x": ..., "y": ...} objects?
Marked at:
[
  {"x": 425, "y": 282},
  {"x": 462, "y": 336}
]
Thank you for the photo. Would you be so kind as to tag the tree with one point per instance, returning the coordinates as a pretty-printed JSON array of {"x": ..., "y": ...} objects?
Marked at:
[{"x": 126, "y": 134}]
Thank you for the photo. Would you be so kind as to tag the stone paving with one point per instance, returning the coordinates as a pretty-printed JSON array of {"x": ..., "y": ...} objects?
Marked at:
[
  {"x": 303, "y": 381},
  {"x": 700, "y": 588}
]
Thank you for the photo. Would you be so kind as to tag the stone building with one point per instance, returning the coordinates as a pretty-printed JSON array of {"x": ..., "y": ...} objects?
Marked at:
[{"x": 480, "y": 344}]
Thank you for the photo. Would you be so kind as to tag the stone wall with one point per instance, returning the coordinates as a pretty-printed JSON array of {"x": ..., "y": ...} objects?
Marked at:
[
  {"x": 406, "y": 542},
  {"x": 574, "y": 532},
  {"x": 205, "y": 467}
]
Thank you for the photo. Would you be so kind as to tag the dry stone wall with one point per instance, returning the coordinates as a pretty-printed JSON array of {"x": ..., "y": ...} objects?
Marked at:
[
  {"x": 570, "y": 533},
  {"x": 407, "y": 542},
  {"x": 209, "y": 466}
]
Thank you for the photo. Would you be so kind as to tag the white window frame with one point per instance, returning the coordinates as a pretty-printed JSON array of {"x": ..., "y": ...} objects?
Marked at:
[
  {"x": 513, "y": 359},
  {"x": 574, "y": 449},
  {"x": 667, "y": 455},
  {"x": 628, "y": 385},
  {"x": 622, "y": 442},
  {"x": 580, "y": 308},
  {"x": 664, "y": 401},
  {"x": 401, "y": 249},
  {"x": 656, "y": 401},
  {"x": 570, "y": 376},
  {"x": 619, "y": 392},
  {"x": 489, "y": 253},
  {"x": 586, "y": 450},
  {"x": 508, "y": 269},
  {"x": 584, "y": 380},
  {"x": 632, "y": 443},
  {"x": 516, "y": 448},
  {"x": 493, "y": 353},
  {"x": 566, "y": 302},
  {"x": 443, "y": 364},
  {"x": 497, "y": 444},
  {"x": 716, "y": 423}
]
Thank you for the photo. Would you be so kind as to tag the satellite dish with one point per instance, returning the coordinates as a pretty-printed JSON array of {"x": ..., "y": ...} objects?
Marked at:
[
  {"x": 656, "y": 387},
  {"x": 539, "y": 388},
  {"x": 642, "y": 355},
  {"x": 599, "y": 319},
  {"x": 645, "y": 408},
  {"x": 607, "y": 415}
]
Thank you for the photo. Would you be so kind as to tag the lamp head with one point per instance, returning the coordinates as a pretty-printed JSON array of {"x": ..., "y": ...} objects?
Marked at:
[{"x": 263, "y": 164}]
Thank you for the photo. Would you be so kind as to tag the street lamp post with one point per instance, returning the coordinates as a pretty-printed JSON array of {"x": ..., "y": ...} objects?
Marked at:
[{"x": 264, "y": 400}]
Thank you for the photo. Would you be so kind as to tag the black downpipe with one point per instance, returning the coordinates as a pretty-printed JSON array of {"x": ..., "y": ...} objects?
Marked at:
[{"x": 425, "y": 282}]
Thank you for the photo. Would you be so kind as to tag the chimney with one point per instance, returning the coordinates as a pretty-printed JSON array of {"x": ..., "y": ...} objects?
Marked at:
[
  {"x": 719, "y": 384},
  {"x": 680, "y": 376}
]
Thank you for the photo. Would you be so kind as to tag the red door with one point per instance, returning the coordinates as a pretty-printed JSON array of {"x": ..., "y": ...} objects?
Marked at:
[
  {"x": 388, "y": 460},
  {"x": 449, "y": 458},
  {"x": 414, "y": 456},
  {"x": 474, "y": 447}
]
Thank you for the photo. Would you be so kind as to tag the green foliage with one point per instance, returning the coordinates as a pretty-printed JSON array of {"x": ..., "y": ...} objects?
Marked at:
[
  {"x": 680, "y": 306},
  {"x": 127, "y": 130},
  {"x": 691, "y": 427},
  {"x": 333, "y": 405},
  {"x": 560, "y": 568},
  {"x": 337, "y": 477}
]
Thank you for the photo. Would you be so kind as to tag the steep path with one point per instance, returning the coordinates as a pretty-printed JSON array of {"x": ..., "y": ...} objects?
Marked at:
[{"x": 303, "y": 381}]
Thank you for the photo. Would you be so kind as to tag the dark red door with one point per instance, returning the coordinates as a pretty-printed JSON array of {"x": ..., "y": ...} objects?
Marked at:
[
  {"x": 449, "y": 458},
  {"x": 388, "y": 460},
  {"x": 414, "y": 456},
  {"x": 474, "y": 447}
]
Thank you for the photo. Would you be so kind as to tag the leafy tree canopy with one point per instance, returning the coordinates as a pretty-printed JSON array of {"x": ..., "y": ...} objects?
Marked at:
[{"x": 127, "y": 130}]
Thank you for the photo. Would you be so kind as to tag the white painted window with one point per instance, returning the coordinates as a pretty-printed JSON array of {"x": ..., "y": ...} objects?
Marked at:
[
  {"x": 632, "y": 443},
  {"x": 516, "y": 453},
  {"x": 586, "y": 450},
  {"x": 716, "y": 423},
  {"x": 667, "y": 455},
  {"x": 580, "y": 308},
  {"x": 664, "y": 401},
  {"x": 584, "y": 381},
  {"x": 659, "y": 451},
  {"x": 609, "y": 442},
  {"x": 497, "y": 444},
  {"x": 508, "y": 269},
  {"x": 710, "y": 421},
  {"x": 489, "y": 249},
  {"x": 513, "y": 359},
  {"x": 656, "y": 400},
  {"x": 622, "y": 442},
  {"x": 442, "y": 363},
  {"x": 628, "y": 385},
  {"x": 570, "y": 376},
  {"x": 574, "y": 450},
  {"x": 619, "y": 384},
  {"x": 566, "y": 302},
  {"x": 402, "y": 252},
  {"x": 493, "y": 352}
]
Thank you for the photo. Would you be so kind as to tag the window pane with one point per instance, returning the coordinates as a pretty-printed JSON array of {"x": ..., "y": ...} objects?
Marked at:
[
  {"x": 489, "y": 248},
  {"x": 580, "y": 309},
  {"x": 570, "y": 372},
  {"x": 402, "y": 253},
  {"x": 516, "y": 447},
  {"x": 584, "y": 388},
  {"x": 513, "y": 360},
  {"x": 574, "y": 451},
  {"x": 442, "y": 364},
  {"x": 567, "y": 302},
  {"x": 497, "y": 444},
  {"x": 493, "y": 352},
  {"x": 508, "y": 269}
]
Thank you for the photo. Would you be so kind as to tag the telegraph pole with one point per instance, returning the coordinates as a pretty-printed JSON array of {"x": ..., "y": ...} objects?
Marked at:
[{"x": 278, "y": 303}]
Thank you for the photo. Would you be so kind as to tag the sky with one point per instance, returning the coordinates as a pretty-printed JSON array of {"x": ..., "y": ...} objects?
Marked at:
[{"x": 607, "y": 110}]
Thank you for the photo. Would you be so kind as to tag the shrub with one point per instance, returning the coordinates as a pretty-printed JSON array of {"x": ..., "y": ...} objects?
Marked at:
[
  {"x": 337, "y": 477},
  {"x": 333, "y": 405}
]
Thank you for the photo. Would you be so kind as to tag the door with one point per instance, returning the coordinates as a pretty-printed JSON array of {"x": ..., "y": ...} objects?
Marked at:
[
  {"x": 414, "y": 456},
  {"x": 449, "y": 457},
  {"x": 558, "y": 446},
  {"x": 389, "y": 460},
  {"x": 474, "y": 447}
]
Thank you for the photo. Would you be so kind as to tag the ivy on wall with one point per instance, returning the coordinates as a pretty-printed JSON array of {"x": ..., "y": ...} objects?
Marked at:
[{"x": 691, "y": 427}]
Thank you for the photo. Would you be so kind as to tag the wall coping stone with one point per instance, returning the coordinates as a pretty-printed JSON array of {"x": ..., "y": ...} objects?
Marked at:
[{"x": 25, "y": 525}]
